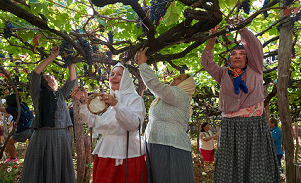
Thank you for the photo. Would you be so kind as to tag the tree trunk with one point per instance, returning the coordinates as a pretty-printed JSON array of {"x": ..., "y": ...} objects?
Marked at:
[
  {"x": 267, "y": 107},
  {"x": 88, "y": 148},
  {"x": 284, "y": 52},
  {"x": 297, "y": 141},
  {"x": 80, "y": 145}
]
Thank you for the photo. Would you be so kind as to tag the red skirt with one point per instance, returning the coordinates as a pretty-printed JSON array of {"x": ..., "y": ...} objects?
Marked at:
[
  {"x": 208, "y": 155},
  {"x": 105, "y": 171}
]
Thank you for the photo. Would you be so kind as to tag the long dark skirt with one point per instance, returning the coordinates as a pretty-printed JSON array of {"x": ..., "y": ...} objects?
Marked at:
[
  {"x": 246, "y": 152},
  {"x": 166, "y": 164},
  {"x": 48, "y": 157}
]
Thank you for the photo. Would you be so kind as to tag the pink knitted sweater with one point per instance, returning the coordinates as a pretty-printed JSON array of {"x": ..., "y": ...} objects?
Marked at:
[{"x": 253, "y": 76}]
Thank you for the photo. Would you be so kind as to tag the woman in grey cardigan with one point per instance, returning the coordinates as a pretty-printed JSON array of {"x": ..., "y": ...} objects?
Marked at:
[
  {"x": 49, "y": 157},
  {"x": 168, "y": 147}
]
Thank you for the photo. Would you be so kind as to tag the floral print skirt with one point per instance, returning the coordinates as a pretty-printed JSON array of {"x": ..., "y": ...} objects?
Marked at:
[{"x": 246, "y": 152}]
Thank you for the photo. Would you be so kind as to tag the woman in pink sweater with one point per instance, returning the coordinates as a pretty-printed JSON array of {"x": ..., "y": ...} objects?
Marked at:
[{"x": 245, "y": 152}]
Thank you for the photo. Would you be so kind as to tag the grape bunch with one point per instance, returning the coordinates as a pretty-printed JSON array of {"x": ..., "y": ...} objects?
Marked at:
[
  {"x": 101, "y": 28},
  {"x": 155, "y": 65},
  {"x": 16, "y": 80},
  {"x": 245, "y": 5},
  {"x": 183, "y": 68},
  {"x": 94, "y": 48},
  {"x": 265, "y": 13},
  {"x": 87, "y": 48},
  {"x": 157, "y": 10},
  {"x": 67, "y": 53},
  {"x": 85, "y": 71},
  {"x": 7, "y": 30},
  {"x": 140, "y": 24},
  {"x": 99, "y": 71},
  {"x": 110, "y": 37},
  {"x": 110, "y": 56},
  {"x": 2, "y": 56}
]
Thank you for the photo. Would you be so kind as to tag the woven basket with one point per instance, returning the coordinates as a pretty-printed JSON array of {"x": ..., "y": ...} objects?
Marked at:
[{"x": 95, "y": 101}]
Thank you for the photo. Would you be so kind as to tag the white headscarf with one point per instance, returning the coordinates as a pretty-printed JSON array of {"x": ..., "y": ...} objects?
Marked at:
[{"x": 126, "y": 85}]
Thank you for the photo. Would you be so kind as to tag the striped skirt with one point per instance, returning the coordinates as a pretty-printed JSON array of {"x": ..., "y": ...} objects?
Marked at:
[
  {"x": 48, "y": 157},
  {"x": 166, "y": 164},
  {"x": 246, "y": 152}
]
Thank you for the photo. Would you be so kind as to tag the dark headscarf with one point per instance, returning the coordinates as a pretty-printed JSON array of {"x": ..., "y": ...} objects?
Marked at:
[
  {"x": 239, "y": 82},
  {"x": 47, "y": 105}
]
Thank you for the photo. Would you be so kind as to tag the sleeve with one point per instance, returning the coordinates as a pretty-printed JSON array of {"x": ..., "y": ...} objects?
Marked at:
[
  {"x": 253, "y": 49},
  {"x": 210, "y": 66},
  {"x": 35, "y": 84},
  {"x": 166, "y": 92},
  {"x": 131, "y": 113},
  {"x": 68, "y": 86},
  {"x": 87, "y": 116},
  {"x": 276, "y": 135}
]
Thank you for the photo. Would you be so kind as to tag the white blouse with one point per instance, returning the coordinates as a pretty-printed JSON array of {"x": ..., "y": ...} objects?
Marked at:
[
  {"x": 207, "y": 145},
  {"x": 114, "y": 124}
]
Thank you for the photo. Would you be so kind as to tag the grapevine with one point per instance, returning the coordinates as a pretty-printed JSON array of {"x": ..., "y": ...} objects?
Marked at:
[
  {"x": 245, "y": 5},
  {"x": 157, "y": 10}
]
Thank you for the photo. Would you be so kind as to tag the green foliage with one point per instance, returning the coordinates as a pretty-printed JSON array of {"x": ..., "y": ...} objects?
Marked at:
[{"x": 68, "y": 16}]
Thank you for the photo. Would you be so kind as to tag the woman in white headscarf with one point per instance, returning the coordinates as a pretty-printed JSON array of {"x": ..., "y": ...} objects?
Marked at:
[
  {"x": 124, "y": 115},
  {"x": 168, "y": 147}
]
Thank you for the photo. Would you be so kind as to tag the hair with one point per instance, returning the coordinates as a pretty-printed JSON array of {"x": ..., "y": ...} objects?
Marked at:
[
  {"x": 203, "y": 125},
  {"x": 237, "y": 47},
  {"x": 11, "y": 100},
  {"x": 55, "y": 81},
  {"x": 273, "y": 120}
]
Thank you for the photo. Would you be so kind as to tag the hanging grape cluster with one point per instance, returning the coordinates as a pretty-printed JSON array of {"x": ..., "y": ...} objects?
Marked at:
[
  {"x": 157, "y": 10},
  {"x": 7, "y": 30},
  {"x": 111, "y": 40},
  {"x": 67, "y": 53},
  {"x": 265, "y": 13},
  {"x": 245, "y": 5},
  {"x": 87, "y": 48},
  {"x": 140, "y": 24},
  {"x": 94, "y": 48},
  {"x": 183, "y": 68},
  {"x": 101, "y": 28}
]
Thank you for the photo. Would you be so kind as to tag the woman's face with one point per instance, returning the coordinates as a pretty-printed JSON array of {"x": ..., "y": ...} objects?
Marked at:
[
  {"x": 115, "y": 78},
  {"x": 238, "y": 58},
  {"x": 176, "y": 81},
  {"x": 207, "y": 128},
  {"x": 51, "y": 81}
]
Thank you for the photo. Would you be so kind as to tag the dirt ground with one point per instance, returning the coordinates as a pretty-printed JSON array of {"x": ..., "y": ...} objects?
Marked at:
[{"x": 12, "y": 173}]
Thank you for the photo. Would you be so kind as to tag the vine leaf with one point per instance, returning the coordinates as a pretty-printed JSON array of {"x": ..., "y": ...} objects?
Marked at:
[{"x": 171, "y": 16}]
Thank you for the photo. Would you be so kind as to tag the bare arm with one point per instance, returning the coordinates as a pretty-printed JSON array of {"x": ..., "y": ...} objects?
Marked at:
[
  {"x": 72, "y": 72},
  {"x": 211, "y": 41},
  {"x": 2, "y": 109},
  {"x": 203, "y": 136}
]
